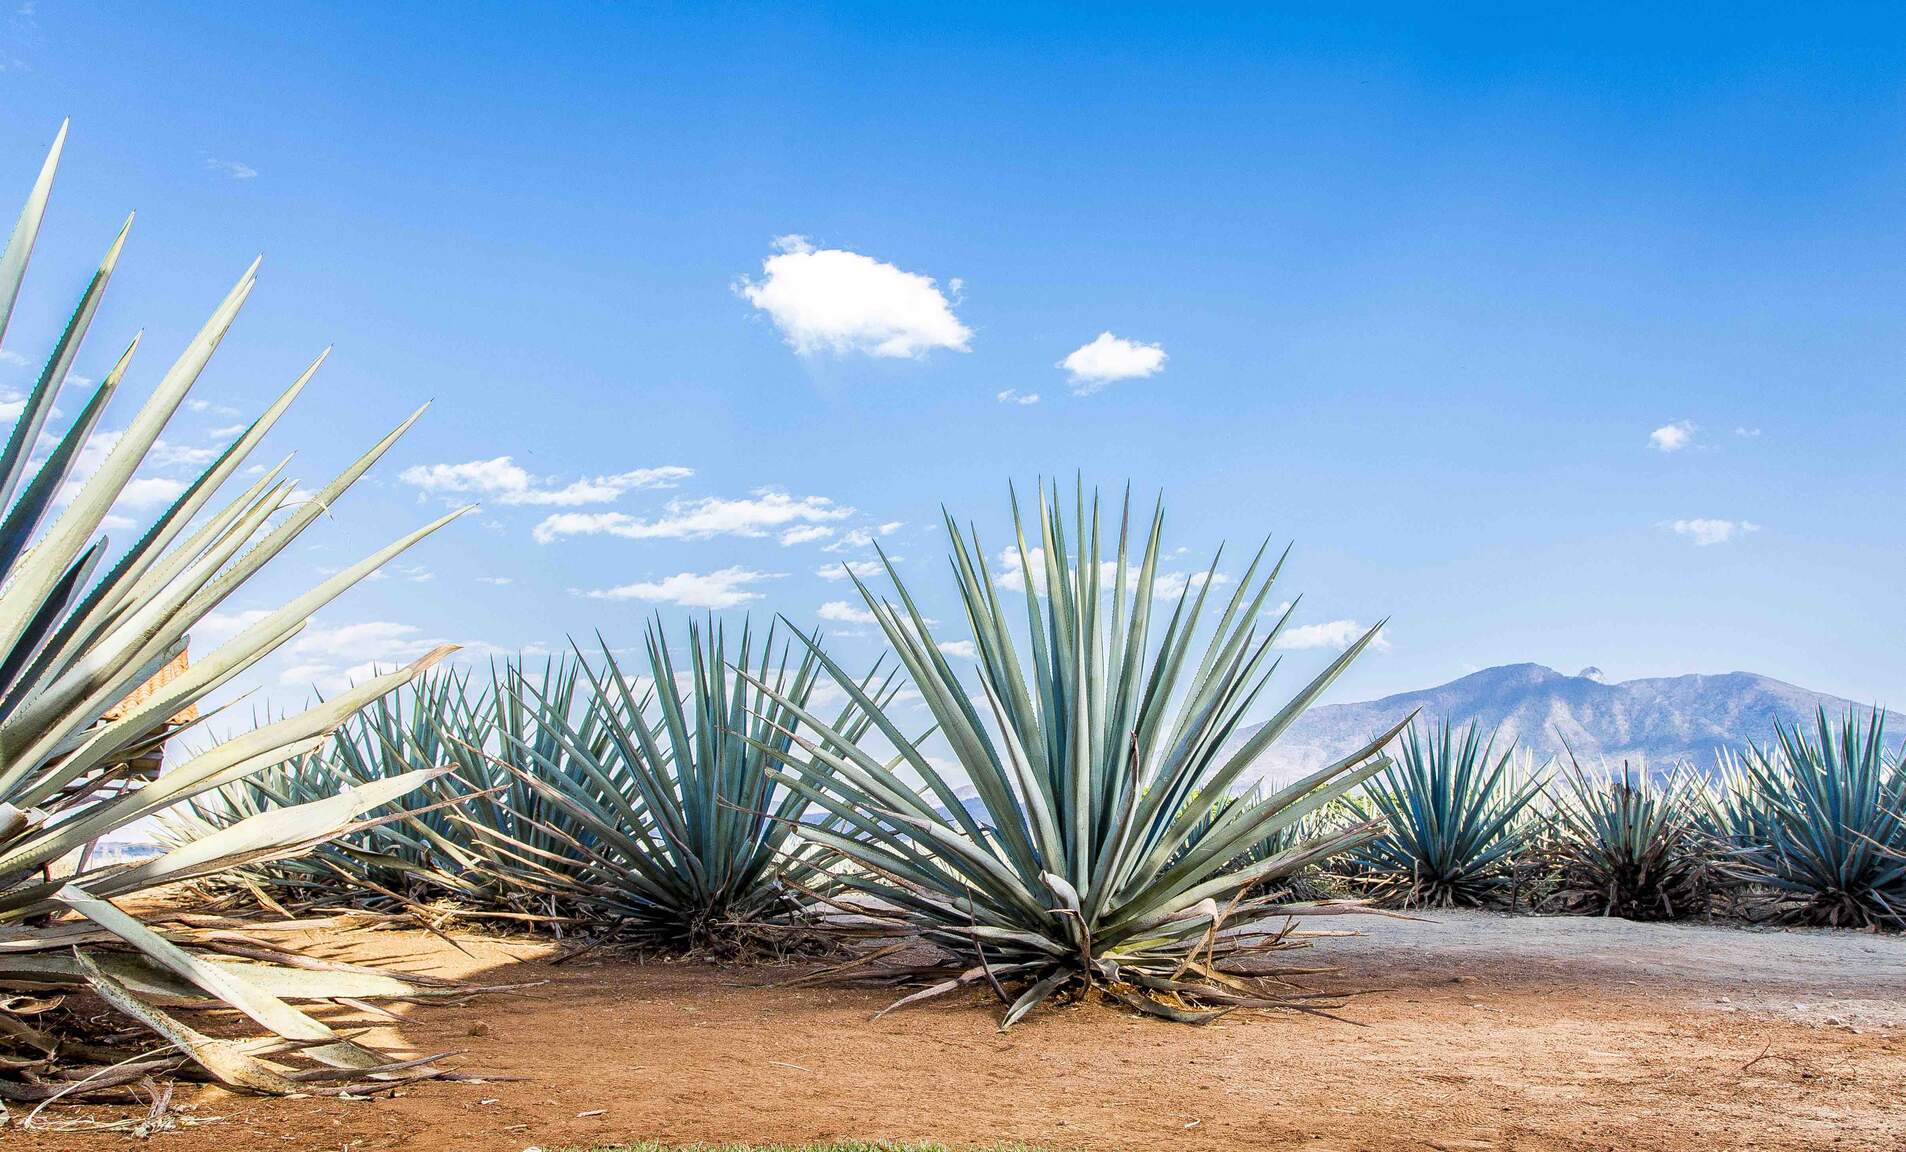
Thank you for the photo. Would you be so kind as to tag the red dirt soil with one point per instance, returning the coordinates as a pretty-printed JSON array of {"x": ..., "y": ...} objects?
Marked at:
[{"x": 1579, "y": 1035}]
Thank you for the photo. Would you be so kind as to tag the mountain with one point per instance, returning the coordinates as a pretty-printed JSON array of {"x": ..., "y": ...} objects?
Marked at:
[{"x": 1659, "y": 720}]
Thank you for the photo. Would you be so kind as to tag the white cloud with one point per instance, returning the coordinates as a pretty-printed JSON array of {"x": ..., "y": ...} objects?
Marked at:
[
  {"x": 232, "y": 168},
  {"x": 699, "y": 519},
  {"x": 503, "y": 480},
  {"x": 891, "y": 526},
  {"x": 726, "y": 588},
  {"x": 1165, "y": 584},
  {"x": 329, "y": 658},
  {"x": 1111, "y": 358},
  {"x": 865, "y": 569},
  {"x": 9, "y": 356},
  {"x": 1705, "y": 532},
  {"x": 964, "y": 649},
  {"x": 165, "y": 454},
  {"x": 148, "y": 492},
  {"x": 1014, "y": 396},
  {"x": 852, "y": 539},
  {"x": 225, "y": 432},
  {"x": 832, "y": 300},
  {"x": 1747, "y": 433},
  {"x": 499, "y": 581},
  {"x": 1672, "y": 437},
  {"x": 806, "y": 534},
  {"x": 200, "y": 405},
  {"x": 1332, "y": 634},
  {"x": 842, "y": 612}
]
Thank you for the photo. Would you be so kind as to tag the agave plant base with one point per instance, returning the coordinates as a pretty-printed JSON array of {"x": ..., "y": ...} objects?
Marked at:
[{"x": 1225, "y": 968}]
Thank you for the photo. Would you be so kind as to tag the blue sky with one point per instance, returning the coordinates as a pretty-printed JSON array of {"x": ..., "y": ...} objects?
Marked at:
[{"x": 1574, "y": 341}]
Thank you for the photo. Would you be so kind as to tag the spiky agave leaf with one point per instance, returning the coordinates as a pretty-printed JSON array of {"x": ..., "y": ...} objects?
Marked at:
[
  {"x": 1830, "y": 814},
  {"x": 1073, "y": 872},
  {"x": 76, "y": 636},
  {"x": 1632, "y": 846},
  {"x": 1450, "y": 809}
]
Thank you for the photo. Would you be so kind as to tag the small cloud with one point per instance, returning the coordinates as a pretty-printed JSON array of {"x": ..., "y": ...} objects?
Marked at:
[
  {"x": 1747, "y": 433},
  {"x": 864, "y": 569},
  {"x": 503, "y": 481},
  {"x": 806, "y": 534},
  {"x": 231, "y": 168},
  {"x": 833, "y": 300},
  {"x": 1110, "y": 358},
  {"x": 726, "y": 588},
  {"x": 1672, "y": 437},
  {"x": 851, "y": 540},
  {"x": 1335, "y": 635},
  {"x": 766, "y": 510},
  {"x": 964, "y": 649},
  {"x": 165, "y": 454},
  {"x": 148, "y": 492},
  {"x": 1706, "y": 532},
  {"x": 842, "y": 612},
  {"x": 498, "y": 581},
  {"x": 225, "y": 432},
  {"x": 11, "y": 358},
  {"x": 891, "y": 526},
  {"x": 1013, "y": 396}
]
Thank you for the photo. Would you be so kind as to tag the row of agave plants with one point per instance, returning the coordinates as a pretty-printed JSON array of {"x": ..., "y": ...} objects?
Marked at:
[
  {"x": 1809, "y": 828},
  {"x": 686, "y": 806},
  {"x": 1065, "y": 825}
]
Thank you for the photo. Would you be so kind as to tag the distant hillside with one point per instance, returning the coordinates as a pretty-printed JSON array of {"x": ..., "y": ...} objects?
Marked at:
[{"x": 1659, "y": 720}]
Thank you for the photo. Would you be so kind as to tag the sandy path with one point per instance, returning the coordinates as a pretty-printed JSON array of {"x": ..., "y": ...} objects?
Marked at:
[{"x": 1492, "y": 1033}]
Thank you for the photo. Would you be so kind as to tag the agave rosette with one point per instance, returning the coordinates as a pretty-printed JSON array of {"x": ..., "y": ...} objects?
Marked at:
[{"x": 1091, "y": 774}]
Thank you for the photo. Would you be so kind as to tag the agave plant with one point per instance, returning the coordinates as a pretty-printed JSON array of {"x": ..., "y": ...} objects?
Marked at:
[
  {"x": 657, "y": 814},
  {"x": 1450, "y": 811},
  {"x": 1631, "y": 846},
  {"x": 1830, "y": 815},
  {"x": 1070, "y": 873},
  {"x": 77, "y": 636},
  {"x": 583, "y": 799}
]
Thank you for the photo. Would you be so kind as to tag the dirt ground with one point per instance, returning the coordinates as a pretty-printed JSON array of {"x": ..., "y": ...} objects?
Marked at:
[{"x": 1485, "y": 1032}]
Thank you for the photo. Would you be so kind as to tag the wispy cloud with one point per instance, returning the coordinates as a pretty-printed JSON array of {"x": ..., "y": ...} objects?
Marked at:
[
  {"x": 1672, "y": 437},
  {"x": 765, "y": 511},
  {"x": 1013, "y": 396},
  {"x": 806, "y": 534},
  {"x": 964, "y": 649},
  {"x": 1335, "y": 635},
  {"x": 842, "y": 612},
  {"x": 1166, "y": 584},
  {"x": 726, "y": 588},
  {"x": 1707, "y": 532},
  {"x": 833, "y": 300},
  {"x": 234, "y": 169},
  {"x": 501, "y": 479},
  {"x": 498, "y": 581},
  {"x": 1111, "y": 358},
  {"x": 865, "y": 569}
]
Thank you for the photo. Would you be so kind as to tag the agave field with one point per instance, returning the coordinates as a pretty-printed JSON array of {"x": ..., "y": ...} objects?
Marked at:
[{"x": 1078, "y": 823}]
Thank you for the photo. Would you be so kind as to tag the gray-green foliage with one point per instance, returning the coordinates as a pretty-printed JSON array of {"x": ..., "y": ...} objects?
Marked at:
[
  {"x": 1822, "y": 823},
  {"x": 583, "y": 797},
  {"x": 1627, "y": 844},
  {"x": 1451, "y": 810},
  {"x": 1086, "y": 760},
  {"x": 81, "y": 628}
]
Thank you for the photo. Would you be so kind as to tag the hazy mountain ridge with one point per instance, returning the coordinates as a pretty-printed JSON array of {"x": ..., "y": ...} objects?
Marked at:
[{"x": 1660, "y": 720}]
